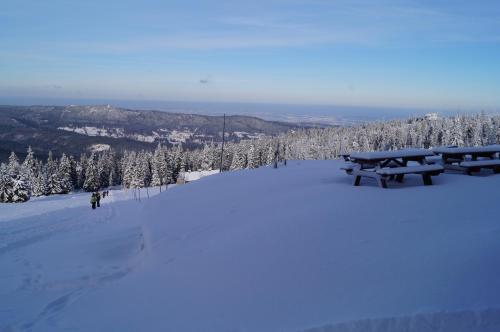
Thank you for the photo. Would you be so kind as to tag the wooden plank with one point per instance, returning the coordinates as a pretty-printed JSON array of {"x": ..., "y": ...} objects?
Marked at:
[
  {"x": 411, "y": 169},
  {"x": 480, "y": 163}
]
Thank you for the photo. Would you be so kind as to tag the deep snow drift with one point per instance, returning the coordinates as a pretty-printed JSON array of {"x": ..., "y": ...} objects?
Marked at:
[{"x": 285, "y": 249}]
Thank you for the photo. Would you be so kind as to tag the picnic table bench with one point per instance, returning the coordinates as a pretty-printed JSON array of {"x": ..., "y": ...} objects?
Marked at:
[
  {"x": 384, "y": 165},
  {"x": 466, "y": 159}
]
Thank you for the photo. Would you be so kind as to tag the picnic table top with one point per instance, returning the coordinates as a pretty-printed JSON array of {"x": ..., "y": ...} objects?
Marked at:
[
  {"x": 383, "y": 155},
  {"x": 467, "y": 150}
]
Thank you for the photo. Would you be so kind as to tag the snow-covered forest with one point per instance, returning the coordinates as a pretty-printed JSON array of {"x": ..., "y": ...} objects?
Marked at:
[{"x": 136, "y": 169}]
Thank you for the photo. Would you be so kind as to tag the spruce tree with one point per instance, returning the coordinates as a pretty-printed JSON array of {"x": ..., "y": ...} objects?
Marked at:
[
  {"x": 92, "y": 182},
  {"x": 64, "y": 174}
]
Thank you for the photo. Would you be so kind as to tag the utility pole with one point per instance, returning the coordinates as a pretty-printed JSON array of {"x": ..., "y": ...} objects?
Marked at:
[
  {"x": 276, "y": 155},
  {"x": 222, "y": 147}
]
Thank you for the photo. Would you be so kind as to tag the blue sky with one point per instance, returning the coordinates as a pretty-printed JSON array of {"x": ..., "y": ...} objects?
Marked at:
[{"x": 429, "y": 54}]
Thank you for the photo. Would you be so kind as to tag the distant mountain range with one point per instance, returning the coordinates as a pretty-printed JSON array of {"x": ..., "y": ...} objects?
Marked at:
[{"x": 77, "y": 129}]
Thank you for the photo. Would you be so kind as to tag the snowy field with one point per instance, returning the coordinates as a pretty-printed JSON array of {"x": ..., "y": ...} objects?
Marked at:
[
  {"x": 291, "y": 249},
  {"x": 38, "y": 206}
]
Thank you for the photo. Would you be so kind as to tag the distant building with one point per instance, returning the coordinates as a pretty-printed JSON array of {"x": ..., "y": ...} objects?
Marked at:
[{"x": 431, "y": 116}]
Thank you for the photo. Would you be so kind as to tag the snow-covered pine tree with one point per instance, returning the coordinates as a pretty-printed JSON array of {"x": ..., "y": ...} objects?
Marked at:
[
  {"x": 39, "y": 184},
  {"x": 159, "y": 167},
  {"x": 111, "y": 178},
  {"x": 176, "y": 162},
  {"x": 13, "y": 167},
  {"x": 206, "y": 158},
  {"x": 103, "y": 169},
  {"x": 64, "y": 174},
  {"x": 128, "y": 168},
  {"x": 145, "y": 165},
  {"x": 14, "y": 182},
  {"x": 21, "y": 191},
  {"x": 270, "y": 154},
  {"x": 54, "y": 184},
  {"x": 29, "y": 165},
  {"x": 5, "y": 184},
  {"x": 169, "y": 173},
  {"x": 227, "y": 157},
  {"x": 92, "y": 178},
  {"x": 239, "y": 156},
  {"x": 81, "y": 165}
]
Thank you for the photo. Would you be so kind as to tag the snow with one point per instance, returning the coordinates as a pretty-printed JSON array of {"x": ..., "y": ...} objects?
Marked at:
[
  {"x": 196, "y": 175},
  {"x": 290, "y": 249},
  {"x": 391, "y": 154},
  {"x": 143, "y": 138},
  {"x": 240, "y": 134},
  {"x": 37, "y": 206},
  {"x": 99, "y": 147},
  {"x": 111, "y": 132},
  {"x": 465, "y": 150},
  {"x": 179, "y": 136},
  {"x": 94, "y": 131},
  {"x": 244, "y": 134},
  {"x": 486, "y": 320}
]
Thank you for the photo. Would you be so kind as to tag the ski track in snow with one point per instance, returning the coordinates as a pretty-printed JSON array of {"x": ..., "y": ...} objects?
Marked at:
[{"x": 18, "y": 240}]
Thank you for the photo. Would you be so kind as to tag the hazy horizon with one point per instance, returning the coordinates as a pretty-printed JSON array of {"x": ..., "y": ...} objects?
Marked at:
[{"x": 327, "y": 114}]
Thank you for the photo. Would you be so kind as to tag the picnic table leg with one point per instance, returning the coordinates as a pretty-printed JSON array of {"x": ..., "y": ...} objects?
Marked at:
[
  {"x": 427, "y": 179},
  {"x": 357, "y": 180},
  {"x": 382, "y": 182}
]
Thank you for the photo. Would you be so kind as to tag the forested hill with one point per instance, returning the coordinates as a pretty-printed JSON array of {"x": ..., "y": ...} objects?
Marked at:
[
  {"x": 145, "y": 168},
  {"x": 77, "y": 129}
]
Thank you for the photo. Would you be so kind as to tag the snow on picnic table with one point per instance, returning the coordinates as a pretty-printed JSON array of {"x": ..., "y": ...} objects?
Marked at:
[{"x": 263, "y": 250}]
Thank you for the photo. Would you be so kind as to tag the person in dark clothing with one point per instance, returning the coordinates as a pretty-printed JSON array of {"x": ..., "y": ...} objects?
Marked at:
[
  {"x": 93, "y": 200},
  {"x": 98, "y": 198}
]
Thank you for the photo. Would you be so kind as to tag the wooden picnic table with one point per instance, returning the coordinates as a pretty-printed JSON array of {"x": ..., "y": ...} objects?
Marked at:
[
  {"x": 452, "y": 153},
  {"x": 375, "y": 165},
  {"x": 455, "y": 158}
]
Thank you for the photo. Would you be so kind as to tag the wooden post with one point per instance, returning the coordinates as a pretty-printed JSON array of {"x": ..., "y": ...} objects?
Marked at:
[
  {"x": 427, "y": 179},
  {"x": 276, "y": 153},
  {"x": 222, "y": 147}
]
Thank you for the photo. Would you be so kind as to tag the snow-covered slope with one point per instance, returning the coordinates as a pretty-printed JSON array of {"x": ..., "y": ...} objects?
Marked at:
[{"x": 286, "y": 249}]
